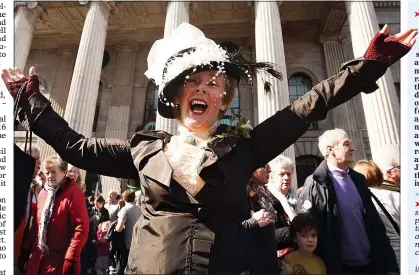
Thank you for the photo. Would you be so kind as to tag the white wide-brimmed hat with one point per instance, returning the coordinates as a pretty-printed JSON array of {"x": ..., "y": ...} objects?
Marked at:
[{"x": 171, "y": 60}]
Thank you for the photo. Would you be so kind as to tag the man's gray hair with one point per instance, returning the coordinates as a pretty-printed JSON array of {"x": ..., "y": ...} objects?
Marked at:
[
  {"x": 282, "y": 161},
  {"x": 386, "y": 162},
  {"x": 330, "y": 138}
]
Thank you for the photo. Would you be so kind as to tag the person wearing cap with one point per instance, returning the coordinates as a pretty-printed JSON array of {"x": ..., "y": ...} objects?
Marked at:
[{"x": 195, "y": 182}]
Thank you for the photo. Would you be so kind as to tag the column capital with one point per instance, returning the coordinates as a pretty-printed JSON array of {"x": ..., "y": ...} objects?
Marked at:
[
  {"x": 189, "y": 4},
  {"x": 27, "y": 4},
  {"x": 32, "y": 4},
  {"x": 328, "y": 37},
  {"x": 110, "y": 5}
]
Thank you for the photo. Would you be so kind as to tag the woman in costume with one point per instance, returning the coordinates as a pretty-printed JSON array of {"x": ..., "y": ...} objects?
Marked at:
[{"x": 194, "y": 183}]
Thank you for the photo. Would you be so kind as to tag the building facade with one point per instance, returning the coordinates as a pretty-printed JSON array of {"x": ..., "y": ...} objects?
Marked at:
[{"x": 91, "y": 58}]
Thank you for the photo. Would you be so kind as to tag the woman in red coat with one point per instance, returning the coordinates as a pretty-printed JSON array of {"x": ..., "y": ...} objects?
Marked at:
[{"x": 62, "y": 224}]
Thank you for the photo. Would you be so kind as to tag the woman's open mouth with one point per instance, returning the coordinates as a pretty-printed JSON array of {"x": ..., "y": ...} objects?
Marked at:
[{"x": 198, "y": 106}]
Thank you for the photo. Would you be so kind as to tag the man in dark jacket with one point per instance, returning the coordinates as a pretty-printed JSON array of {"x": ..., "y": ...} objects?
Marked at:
[{"x": 352, "y": 238}]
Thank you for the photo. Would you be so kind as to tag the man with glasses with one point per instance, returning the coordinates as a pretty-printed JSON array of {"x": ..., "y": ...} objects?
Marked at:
[{"x": 391, "y": 172}]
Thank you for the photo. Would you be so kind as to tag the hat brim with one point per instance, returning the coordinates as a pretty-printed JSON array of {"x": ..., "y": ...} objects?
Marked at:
[{"x": 165, "y": 107}]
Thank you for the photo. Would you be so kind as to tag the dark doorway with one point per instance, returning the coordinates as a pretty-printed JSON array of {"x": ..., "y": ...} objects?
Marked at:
[{"x": 306, "y": 165}]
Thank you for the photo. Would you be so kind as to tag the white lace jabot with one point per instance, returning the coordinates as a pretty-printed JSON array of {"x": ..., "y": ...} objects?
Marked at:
[
  {"x": 194, "y": 138},
  {"x": 185, "y": 153}
]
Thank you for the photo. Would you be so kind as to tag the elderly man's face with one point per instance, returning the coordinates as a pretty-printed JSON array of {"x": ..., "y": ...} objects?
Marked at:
[
  {"x": 343, "y": 152},
  {"x": 394, "y": 174}
]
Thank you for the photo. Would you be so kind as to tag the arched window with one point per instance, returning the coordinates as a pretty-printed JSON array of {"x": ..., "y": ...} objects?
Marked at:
[
  {"x": 298, "y": 85},
  {"x": 97, "y": 108},
  {"x": 306, "y": 165},
  {"x": 234, "y": 106},
  {"x": 151, "y": 101}
]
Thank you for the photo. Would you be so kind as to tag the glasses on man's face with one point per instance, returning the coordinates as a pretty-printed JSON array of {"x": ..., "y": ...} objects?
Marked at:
[{"x": 395, "y": 168}]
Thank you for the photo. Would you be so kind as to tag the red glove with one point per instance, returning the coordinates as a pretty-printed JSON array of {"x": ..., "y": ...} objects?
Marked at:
[
  {"x": 31, "y": 88},
  {"x": 385, "y": 48},
  {"x": 71, "y": 267}
]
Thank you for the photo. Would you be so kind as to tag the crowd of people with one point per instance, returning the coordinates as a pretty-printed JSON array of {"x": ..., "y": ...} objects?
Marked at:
[
  {"x": 291, "y": 231},
  {"x": 349, "y": 217},
  {"x": 215, "y": 198},
  {"x": 85, "y": 232}
]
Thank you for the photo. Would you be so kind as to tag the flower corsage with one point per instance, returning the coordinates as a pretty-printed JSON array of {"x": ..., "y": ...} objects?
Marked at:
[{"x": 241, "y": 127}]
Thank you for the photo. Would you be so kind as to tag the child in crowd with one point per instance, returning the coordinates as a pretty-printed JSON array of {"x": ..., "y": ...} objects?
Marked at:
[
  {"x": 102, "y": 260},
  {"x": 302, "y": 260}
]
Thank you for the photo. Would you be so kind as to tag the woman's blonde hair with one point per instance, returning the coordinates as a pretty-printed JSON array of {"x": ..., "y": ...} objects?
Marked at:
[
  {"x": 78, "y": 181},
  {"x": 55, "y": 161},
  {"x": 101, "y": 225},
  {"x": 371, "y": 172}
]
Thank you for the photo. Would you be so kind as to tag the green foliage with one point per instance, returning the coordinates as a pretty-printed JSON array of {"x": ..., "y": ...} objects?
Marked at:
[{"x": 241, "y": 128}]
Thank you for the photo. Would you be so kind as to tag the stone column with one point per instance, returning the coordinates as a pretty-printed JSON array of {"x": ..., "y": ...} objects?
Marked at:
[
  {"x": 59, "y": 91},
  {"x": 119, "y": 109},
  {"x": 81, "y": 103},
  {"x": 343, "y": 115},
  {"x": 270, "y": 48},
  {"x": 84, "y": 86},
  {"x": 381, "y": 108},
  {"x": 25, "y": 21},
  {"x": 177, "y": 13}
]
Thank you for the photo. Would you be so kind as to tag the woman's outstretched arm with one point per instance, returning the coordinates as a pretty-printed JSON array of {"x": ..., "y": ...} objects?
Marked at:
[
  {"x": 102, "y": 156},
  {"x": 277, "y": 133}
]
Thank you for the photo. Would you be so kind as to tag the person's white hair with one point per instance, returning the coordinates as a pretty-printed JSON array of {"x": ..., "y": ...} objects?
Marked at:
[
  {"x": 330, "y": 138},
  {"x": 282, "y": 161},
  {"x": 386, "y": 162}
]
